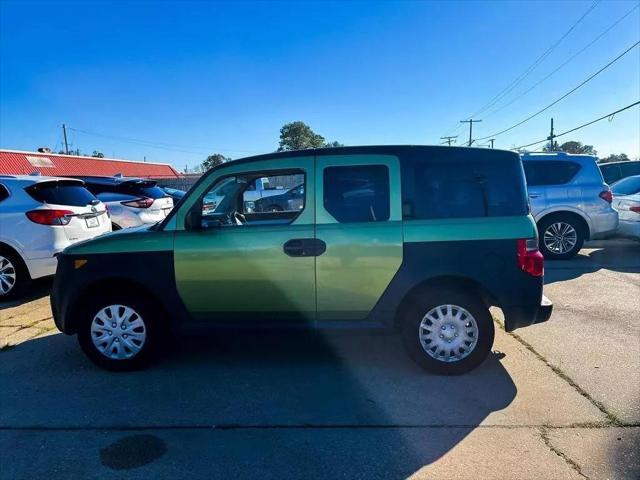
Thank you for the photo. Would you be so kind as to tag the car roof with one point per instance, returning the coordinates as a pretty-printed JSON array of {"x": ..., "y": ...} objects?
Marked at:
[
  {"x": 624, "y": 162},
  {"x": 373, "y": 149},
  {"x": 113, "y": 180},
  {"x": 33, "y": 179},
  {"x": 575, "y": 157}
]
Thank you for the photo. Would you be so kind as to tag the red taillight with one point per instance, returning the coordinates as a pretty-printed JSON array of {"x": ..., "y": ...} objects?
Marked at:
[
  {"x": 606, "y": 196},
  {"x": 50, "y": 217},
  {"x": 530, "y": 259},
  {"x": 635, "y": 208},
  {"x": 143, "y": 202}
]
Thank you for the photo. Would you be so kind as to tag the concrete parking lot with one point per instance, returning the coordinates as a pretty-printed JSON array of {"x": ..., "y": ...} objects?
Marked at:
[{"x": 558, "y": 400}]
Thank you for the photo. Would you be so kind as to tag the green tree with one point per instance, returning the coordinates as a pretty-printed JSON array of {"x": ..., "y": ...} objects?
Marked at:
[
  {"x": 577, "y": 147},
  {"x": 213, "y": 161},
  {"x": 97, "y": 154},
  {"x": 333, "y": 144},
  {"x": 299, "y": 136},
  {"x": 621, "y": 157}
]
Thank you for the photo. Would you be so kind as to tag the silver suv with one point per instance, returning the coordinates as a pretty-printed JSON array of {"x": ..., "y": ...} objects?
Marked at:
[{"x": 569, "y": 201}]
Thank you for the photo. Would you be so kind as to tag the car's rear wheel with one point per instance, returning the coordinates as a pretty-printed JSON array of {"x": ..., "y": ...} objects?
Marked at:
[
  {"x": 561, "y": 237},
  {"x": 14, "y": 277},
  {"x": 120, "y": 331},
  {"x": 448, "y": 331}
]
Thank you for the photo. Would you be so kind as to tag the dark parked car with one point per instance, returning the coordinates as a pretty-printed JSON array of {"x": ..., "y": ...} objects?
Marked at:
[
  {"x": 614, "y": 171},
  {"x": 292, "y": 199}
]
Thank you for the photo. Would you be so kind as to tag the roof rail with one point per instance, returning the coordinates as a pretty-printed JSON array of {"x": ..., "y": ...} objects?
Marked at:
[{"x": 545, "y": 153}]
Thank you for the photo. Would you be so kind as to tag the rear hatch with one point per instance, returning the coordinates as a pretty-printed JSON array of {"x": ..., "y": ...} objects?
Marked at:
[
  {"x": 162, "y": 202},
  {"x": 80, "y": 214}
]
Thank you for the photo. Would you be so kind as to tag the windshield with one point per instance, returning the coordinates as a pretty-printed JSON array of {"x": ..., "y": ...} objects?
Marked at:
[{"x": 627, "y": 186}]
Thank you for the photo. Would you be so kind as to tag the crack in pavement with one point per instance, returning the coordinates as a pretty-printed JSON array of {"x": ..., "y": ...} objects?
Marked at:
[{"x": 560, "y": 453}]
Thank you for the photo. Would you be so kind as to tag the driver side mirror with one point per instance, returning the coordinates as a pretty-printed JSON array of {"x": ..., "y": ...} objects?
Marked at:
[{"x": 193, "y": 220}]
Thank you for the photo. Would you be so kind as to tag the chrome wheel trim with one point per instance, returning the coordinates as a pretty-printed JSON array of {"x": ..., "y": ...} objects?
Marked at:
[
  {"x": 448, "y": 333},
  {"x": 560, "y": 237},
  {"x": 7, "y": 275},
  {"x": 118, "y": 332}
]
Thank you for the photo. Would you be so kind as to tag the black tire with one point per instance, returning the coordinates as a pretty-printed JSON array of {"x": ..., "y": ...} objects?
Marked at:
[
  {"x": 17, "y": 268},
  {"x": 154, "y": 329},
  {"x": 546, "y": 224},
  {"x": 115, "y": 227},
  {"x": 424, "y": 303}
]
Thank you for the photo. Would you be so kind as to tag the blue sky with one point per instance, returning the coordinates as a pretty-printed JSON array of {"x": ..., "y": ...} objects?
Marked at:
[{"x": 224, "y": 77}]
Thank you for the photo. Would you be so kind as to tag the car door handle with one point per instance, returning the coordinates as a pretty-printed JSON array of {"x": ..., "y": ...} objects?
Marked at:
[
  {"x": 534, "y": 195},
  {"x": 304, "y": 247}
]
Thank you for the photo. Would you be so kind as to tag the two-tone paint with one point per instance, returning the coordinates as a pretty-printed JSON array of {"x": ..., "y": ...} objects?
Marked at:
[{"x": 365, "y": 277}]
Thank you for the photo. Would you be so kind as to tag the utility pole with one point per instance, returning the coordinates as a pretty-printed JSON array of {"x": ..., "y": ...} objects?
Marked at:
[
  {"x": 551, "y": 137},
  {"x": 491, "y": 140},
  {"x": 470, "y": 122},
  {"x": 66, "y": 144},
  {"x": 448, "y": 140}
]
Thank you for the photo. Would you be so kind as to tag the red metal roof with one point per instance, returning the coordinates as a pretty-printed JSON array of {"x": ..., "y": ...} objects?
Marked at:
[{"x": 13, "y": 162}]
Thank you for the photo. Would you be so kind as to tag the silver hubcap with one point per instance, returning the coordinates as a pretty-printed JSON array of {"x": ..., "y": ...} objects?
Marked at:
[
  {"x": 448, "y": 333},
  {"x": 118, "y": 332},
  {"x": 560, "y": 237},
  {"x": 7, "y": 275}
]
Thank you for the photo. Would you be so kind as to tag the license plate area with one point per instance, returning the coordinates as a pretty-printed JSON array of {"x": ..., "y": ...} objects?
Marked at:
[{"x": 92, "y": 222}]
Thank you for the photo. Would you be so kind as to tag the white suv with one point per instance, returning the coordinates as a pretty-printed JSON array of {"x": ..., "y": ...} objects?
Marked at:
[
  {"x": 131, "y": 201},
  {"x": 40, "y": 217}
]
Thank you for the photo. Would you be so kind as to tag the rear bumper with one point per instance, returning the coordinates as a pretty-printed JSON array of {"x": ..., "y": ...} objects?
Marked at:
[
  {"x": 41, "y": 267},
  {"x": 628, "y": 228},
  {"x": 524, "y": 316},
  {"x": 603, "y": 225}
]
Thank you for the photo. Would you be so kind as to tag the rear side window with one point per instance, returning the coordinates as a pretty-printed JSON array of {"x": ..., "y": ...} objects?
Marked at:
[
  {"x": 4, "y": 193},
  {"x": 143, "y": 189},
  {"x": 357, "y": 193},
  {"x": 631, "y": 168},
  {"x": 550, "y": 172},
  {"x": 627, "y": 186},
  {"x": 62, "y": 193},
  {"x": 445, "y": 189}
]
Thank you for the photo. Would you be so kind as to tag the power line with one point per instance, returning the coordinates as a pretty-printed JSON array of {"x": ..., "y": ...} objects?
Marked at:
[
  {"x": 500, "y": 95},
  {"x": 534, "y": 65},
  {"x": 608, "y": 115},
  {"x": 570, "y": 59},
  {"x": 160, "y": 145},
  {"x": 563, "y": 96}
]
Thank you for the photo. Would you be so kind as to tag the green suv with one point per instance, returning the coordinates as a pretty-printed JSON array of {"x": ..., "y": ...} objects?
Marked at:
[{"x": 411, "y": 238}]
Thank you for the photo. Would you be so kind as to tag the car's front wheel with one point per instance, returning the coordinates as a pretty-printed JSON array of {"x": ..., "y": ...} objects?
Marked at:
[
  {"x": 448, "y": 331},
  {"x": 119, "y": 331}
]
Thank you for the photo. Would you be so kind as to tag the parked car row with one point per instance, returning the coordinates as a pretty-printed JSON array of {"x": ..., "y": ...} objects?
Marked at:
[{"x": 41, "y": 216}]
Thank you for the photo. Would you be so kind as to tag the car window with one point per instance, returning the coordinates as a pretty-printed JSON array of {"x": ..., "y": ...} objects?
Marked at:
[
  {"x": 549, "y": 172},
  {"x": 626, "y": 186},
  {"x": 4, "y": 193},
  {"x": 446, "y": 188},
  {"x": 142, "y": 189},
  {"x": 62, "y": 193},
  {"x": 357, "y": 193},
  {"x": 235, "y": 201},
  {"x": 630, "y": 168}
]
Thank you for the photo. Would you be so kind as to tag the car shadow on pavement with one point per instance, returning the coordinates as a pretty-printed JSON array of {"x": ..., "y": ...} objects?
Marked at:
[
  {"x": 39, "y": 288},
  {"x": 619, "y": 258},
  {"x": 311, "y": 405}
]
